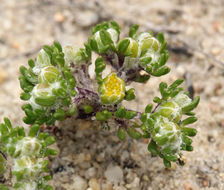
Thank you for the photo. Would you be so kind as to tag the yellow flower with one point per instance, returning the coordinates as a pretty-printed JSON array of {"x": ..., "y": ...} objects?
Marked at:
[{"x": 112, "y": 89}]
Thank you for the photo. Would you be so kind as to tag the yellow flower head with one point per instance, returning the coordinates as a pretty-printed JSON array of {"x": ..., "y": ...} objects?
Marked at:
[{"x": 112, "y": 89}]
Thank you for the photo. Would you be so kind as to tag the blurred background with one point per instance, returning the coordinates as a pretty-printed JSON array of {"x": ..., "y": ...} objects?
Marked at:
[{"x": 194, "y": 30}]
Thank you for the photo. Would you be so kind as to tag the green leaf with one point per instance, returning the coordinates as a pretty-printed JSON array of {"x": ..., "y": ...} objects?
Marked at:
[
  {"x": 107, "y": 114},
  {"x": 161, "y": 140},
  {"x": 133, "y": 30},
  {"x": 100, "y": 116},
  {"x": 88, "y": 109},
  {"x": 58, "y": 46},
  {"x": 162, "y": 60},
  {"x": 48, "y": 50},
  {"x": 103, "y": 25},
  {"x": 121, "y": 111},
  {"x": 121, "y": 133},
  {"x": 31, "y": 63},
  {"x": 192, "y": 105},
  {"x": 130, "y": 94},
  {"x": 123, "y": 45},
  {"x": 3, "y": 129},
  {"x": 163, "y": 89},
  {"x": 162, "y": 71},
  {"x": 148, "y": 108},
  {"x": 160, "y": 37},
  {"x": 72, "y": 110},
  {"x": 189, "y": 120},
  {"x": 175, "y": 92},
  {"x": 166, "y": 163},
  {"x": 3, "y": 187},
  {"x": 25, "y": 96},
  {"x": 11, "y": 150},
  {"x": 34, "y": 130},
  {"x": 42, "y": 135},
  {"x": 190, "y": 113},
  {"x": 163, "y": 47},
  {"x": 130, "y": 114},
  {"x": 143, "y": 117},
  {"x": 105, "y": 37},
  {"x": 28, "y": 120},
  {"x": 23, "y": 70},
  {"x": 50, "y": 152},
  {"x": 49, "y": 140},
  {"x": 145, "y": 61},
  {"x": 19, "y": 175},
  {"x": 157, "y": 100},
  {"x": 132, "y": 132},
  {"x": 115, "y": 26},
  {"x": 176, "y": 83},
  {"x": 30, "y": 114},
  {"x": 25, "y": 85},
  {"x": 45, "y": 101},
  {"x": 59, "y": 114},
  {"x": 47, "y": 178},
  {"x": 93, "y": 45},
  {"x": 149, "y": 69},
  {"x": 21, "y": 132},
  {"x": 189, "y": 148},
  {"x": 146, "y": 135},
  {"x": 152, "y": 147},
  {"x": 48, "y": 187},
  {"x": 189, "y": 131},
  {"x": 142, "y": 78},
  {"x": 187, "y": 140},
  {"x": 99, "y": 65},
  {"x": 8, "y": 123},
  {"x": 171, "y": 158}
]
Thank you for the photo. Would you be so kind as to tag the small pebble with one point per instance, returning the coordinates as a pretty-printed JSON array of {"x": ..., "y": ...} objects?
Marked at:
[
  {"x": 88, "y": 157},
  {"x": 59, "y": 17},
  {"x": 134, "y": 184},
  {"x": 145, "y": 178},
  {"x": 94, "y": 184},
  {"x": 216, "y": 51},
  {"x": 15, "y": 45},
  {"x": 205, "y": 183},
  {"x": 221, "y": 175},
  {"x": 187, "y": 186},
  {"x": 107, "y": 186},
  {"x": 91, "y": 172},
  {"x": 3, "y": 75},
  {"x": 79, "y": 183},
  {"x": 86, "y": 18},
  {"x": 114, "y": 174}
]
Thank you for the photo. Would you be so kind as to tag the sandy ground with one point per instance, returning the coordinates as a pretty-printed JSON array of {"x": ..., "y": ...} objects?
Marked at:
[{"x": 95, "y": 159}]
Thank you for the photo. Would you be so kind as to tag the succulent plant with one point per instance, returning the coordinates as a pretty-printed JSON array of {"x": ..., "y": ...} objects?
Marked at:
[
  {"x": 54, "y": 88},
  {"x": 57, "y": 85},
  {"x": 26, "y": 156}
]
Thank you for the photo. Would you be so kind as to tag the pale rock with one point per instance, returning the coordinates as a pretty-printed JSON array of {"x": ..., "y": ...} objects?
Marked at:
[
  {"x": 216, "y": 51},
  {"x": 59, "y": 17},
  {"x": 94, "y": 184},
  {"x": 3, "y": 75},
  {"x": 107, "y": 186},
  {"x": 120, "y": 188},
  {"x": 79, "y": 183},
  {"x": 114, "y": 174},
  {"x": 135, "y": 184},
  {"x": 91, "y": 172},
  {"x": 124, "y": 155},
  {"x": 145, "y": 178},
  {"x": 86, "y": 18}
]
